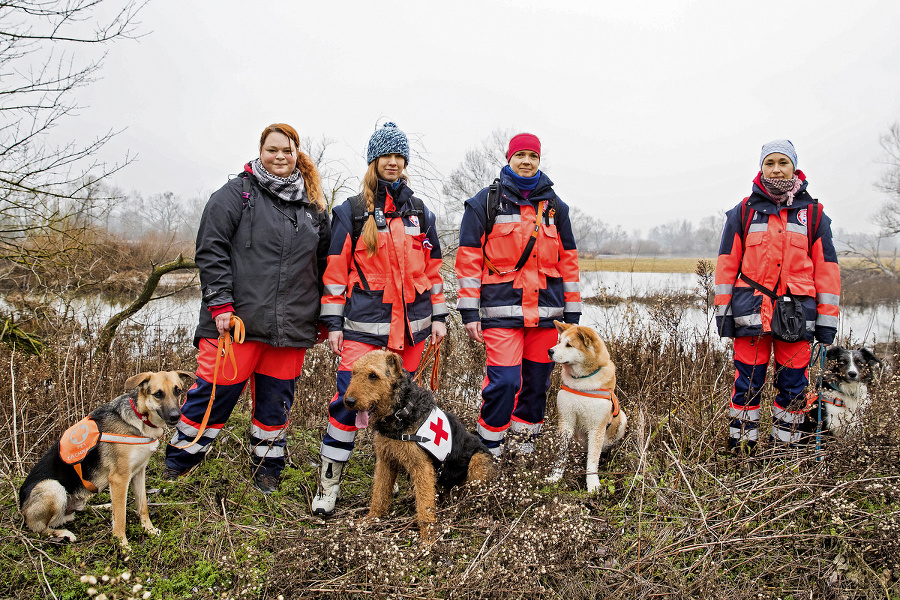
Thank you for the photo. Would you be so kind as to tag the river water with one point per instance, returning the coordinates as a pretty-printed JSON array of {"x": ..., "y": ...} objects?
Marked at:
[{"x": 863, "y": 325}]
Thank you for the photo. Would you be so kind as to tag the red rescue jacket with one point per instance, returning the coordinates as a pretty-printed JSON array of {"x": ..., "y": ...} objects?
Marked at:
[
  {"x": 547, "y": 285},
  {"x": 779, "y": 254},
  {"x": 406, "y": 291}
]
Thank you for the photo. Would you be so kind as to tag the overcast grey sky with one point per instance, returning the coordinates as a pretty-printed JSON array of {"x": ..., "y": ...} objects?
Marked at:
[{"x": 647, "y": 111}]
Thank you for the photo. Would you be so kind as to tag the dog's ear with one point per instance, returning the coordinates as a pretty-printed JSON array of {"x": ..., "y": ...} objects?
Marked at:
[
  {"x": 560, "y": 327},
  {"x": 394, "y": 363},
  {"x": 872, "y": 362},
  {"x": 869, "y": 357},
  {"x": 192, "y": 377},
  {"x": 136, "y": 380}
]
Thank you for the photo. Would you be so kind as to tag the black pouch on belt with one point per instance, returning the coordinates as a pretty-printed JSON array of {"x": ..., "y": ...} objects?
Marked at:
[{"x": 788, "y": 318}]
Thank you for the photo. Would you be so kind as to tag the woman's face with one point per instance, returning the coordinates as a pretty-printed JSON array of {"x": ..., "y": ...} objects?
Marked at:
[
  {"x": 278, "y": 154},
  {"x": 777, "y": 166},
  {"x": 390, "y": 166},
  {"x": 525, "y": 163}
]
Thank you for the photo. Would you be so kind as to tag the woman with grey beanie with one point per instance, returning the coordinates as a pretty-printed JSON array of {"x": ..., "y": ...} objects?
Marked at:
[{"x": 778, "y": 286}]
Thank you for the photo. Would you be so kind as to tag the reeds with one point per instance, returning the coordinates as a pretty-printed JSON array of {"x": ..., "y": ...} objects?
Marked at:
[{"x": 676, "y": 516}]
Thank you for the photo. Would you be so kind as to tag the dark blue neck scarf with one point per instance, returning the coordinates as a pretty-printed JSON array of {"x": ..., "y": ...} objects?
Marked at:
[{"x": 525, "y": 184}]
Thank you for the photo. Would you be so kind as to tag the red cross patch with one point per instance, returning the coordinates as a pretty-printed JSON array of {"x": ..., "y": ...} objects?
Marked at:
[{"x": 439, "y": 433}]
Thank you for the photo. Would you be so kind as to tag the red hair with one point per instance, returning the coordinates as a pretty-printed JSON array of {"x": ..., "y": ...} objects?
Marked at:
[{"x": 308, "y": 170}]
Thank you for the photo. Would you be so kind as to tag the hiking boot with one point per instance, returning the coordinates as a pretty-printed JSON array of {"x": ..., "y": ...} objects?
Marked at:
[
  {"x": 329, "y": 487},
  {"x": 171, "y": 473},
  {"x": 265, "y": 482}
]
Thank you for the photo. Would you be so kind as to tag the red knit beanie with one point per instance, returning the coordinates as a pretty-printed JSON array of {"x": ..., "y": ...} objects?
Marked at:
[{"x": 523, "y": 141}]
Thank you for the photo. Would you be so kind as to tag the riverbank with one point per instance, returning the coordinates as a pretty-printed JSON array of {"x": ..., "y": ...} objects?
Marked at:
[{"x": 655, "y": 264}]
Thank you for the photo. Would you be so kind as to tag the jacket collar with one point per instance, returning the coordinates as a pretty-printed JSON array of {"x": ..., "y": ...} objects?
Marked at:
[
  {"x": 761, "y": 201},
  {"x": 401, "y": 194},
  {"x": 542, "y": 191}
]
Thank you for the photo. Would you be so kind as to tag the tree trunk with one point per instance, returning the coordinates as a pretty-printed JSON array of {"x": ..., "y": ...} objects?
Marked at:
[{"x": 109, "y": 330}]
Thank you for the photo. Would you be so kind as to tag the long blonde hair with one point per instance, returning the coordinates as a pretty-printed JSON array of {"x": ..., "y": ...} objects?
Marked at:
[
  {"x": 368, "y": 190},
  {"x": 307, "y": 168}
]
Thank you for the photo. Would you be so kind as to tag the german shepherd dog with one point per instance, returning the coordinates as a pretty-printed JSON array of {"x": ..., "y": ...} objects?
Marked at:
[
  {"x": 410, "y": 432},
  {"x": 130, "y": 427}
]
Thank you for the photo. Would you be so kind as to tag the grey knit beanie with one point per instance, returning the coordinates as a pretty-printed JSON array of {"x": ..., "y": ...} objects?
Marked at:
[
  {"x": 387, "y": 140},
  {"x": 783, "y": 146}
]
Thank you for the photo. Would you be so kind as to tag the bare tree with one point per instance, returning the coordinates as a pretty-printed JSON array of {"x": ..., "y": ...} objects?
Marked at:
[
  {"x": 335, "y": 175},
  {"x": 889, "y": 216},
  {"x": 48, "y": 187},
  {"x": 479, "y": 167},
  {"x": 872, "y": 249}
]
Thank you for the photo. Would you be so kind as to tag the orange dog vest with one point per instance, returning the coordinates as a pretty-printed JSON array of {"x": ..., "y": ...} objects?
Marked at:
[{"x": 82, "y": 437}]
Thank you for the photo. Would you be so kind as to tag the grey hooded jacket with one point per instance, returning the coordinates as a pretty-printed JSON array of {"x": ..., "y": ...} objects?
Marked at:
[{"x": 266, "y": 258}]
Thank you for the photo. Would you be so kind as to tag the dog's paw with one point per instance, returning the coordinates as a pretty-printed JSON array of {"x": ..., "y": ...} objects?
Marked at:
[
  {"x": 593, "y": 484},
  {"x": 62, "y": 536},
  {"x": 554, "y": 476},
  {"x": 152, "y": 530}
]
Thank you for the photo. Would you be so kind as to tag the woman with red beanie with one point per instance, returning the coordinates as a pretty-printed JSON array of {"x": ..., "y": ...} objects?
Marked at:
[{"x": 517, "y": 267}]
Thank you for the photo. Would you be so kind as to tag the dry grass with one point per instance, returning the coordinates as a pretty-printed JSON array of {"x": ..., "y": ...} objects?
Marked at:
[
  {"x": 676, "y": 517},
  {"x": 641, "y": 264}
]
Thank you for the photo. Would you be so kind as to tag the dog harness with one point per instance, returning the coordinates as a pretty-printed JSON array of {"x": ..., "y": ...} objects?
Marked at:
[
  {"x": 83, "y": 436},
  {"x": 604, "y": 393},
  {"x": 433, "y": 435},
  {"x": 835, "y": 401}
]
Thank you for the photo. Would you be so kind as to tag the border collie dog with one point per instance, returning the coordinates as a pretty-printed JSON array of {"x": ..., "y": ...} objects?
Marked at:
[{"x": 845, "y": 393}]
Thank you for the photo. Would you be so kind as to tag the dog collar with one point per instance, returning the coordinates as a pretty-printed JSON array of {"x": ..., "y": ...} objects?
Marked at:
[
  {"x": 142, "y": 417},
  {"x": 604, "y": 394},
  {"x": 588, "y": 375}
]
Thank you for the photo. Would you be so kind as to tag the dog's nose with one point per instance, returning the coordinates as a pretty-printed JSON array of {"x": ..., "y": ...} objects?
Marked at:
[
  {"x": 172, "y": 416},
  {"x": 349, "y": 402},
  {"x": 852, "y": 374},
  {"x": 550, "y": 352}
]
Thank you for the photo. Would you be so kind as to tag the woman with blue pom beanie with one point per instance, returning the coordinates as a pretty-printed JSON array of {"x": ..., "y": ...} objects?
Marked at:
[{"x": 383, "y": 289}]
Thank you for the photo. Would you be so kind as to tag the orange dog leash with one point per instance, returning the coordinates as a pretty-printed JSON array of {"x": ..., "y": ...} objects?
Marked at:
[
  {"x": 223, "y": 349},
  {"x": 434, "y": 350}
]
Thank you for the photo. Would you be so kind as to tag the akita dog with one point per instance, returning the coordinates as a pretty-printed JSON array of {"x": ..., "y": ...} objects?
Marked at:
[{"x": 587, "y": 398}]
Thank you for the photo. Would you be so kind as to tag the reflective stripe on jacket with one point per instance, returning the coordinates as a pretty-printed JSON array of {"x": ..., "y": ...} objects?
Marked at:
[
  {"x": 406, "y": 289},
  {"x": 776, "y": 254},
  {"x": 544, "y": 289}
]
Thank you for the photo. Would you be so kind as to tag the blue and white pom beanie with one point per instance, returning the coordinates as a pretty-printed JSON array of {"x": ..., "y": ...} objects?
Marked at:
[
  {"x": 783, "y": 146},
  {"x": 387, "y": 140}
]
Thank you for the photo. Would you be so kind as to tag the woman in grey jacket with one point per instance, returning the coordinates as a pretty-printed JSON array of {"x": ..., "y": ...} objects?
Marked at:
[{"x": 261, "y": 251}]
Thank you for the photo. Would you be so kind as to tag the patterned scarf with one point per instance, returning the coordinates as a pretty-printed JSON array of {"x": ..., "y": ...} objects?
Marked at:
[
  {"x": 782, "y": 190},
  {"x": 289, "y": 189}
]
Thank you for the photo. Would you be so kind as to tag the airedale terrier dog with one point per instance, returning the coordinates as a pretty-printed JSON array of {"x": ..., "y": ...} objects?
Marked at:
[{"x": 413, "y": 434}]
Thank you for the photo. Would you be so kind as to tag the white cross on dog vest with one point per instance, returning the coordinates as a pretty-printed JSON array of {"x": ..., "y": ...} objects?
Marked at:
[{"x": 435, "y": 431}]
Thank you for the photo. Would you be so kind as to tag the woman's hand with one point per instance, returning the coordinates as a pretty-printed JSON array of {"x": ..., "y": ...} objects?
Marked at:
[
  {"x": 474, "y": 331},
  {"x": 438, "y": 331},
  {"x": 336, "y": 341},
  {"x": 223, "y": 322}
]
